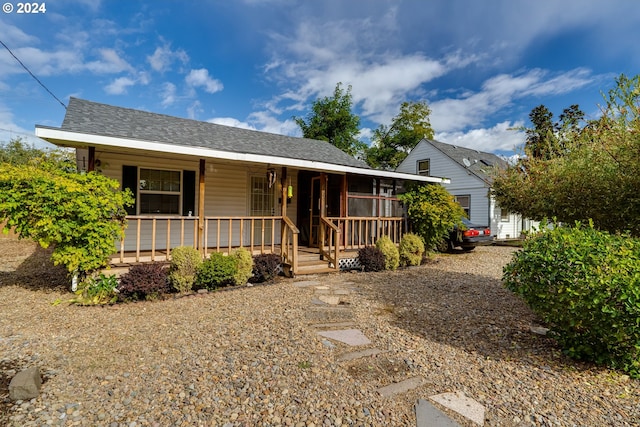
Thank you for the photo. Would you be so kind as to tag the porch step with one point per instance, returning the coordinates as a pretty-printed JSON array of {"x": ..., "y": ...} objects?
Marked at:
[{"x": 314, "y": 266}]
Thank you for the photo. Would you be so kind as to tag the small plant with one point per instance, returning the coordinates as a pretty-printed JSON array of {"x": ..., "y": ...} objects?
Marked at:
[
  {"x": 97, "y": 290},
  {"x": 371, "y": 258},
  {"x": 184, "y": 266},
  {"x": 390, "y": 251},
  {"x": 265, "y": 267},
  {"x": 217, "y": 271},
  {"x": 244, "y": 265},
  {"x": 411, "y": 249},
  {"x": 144, "y": 281}
]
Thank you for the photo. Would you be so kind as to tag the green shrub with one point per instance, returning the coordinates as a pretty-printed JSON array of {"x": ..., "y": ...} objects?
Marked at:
[
  {"x": 144, "y": 281},
  {"x": 390, "y": 251},
  {"x": 244, "y": 265},
  {"x": 265, "y": 267},
  {"x": 97, "y": 290},
  {"x": 432, "y": 212},
  {"x": 217, "y": 271},
  {"x": 184, "y": 266},
  {"x": 411, "y": 249},
  {"x": 585, "y": 284},
  {"x": 371, "y": 258}
]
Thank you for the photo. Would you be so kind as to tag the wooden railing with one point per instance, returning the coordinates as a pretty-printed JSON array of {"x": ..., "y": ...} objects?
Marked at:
[
  {"x": 330, "y": 242},
  {"x": 151, "y": 238},
  {"x": 289, "y": 244},
  {"x": 358, "y": 232}
]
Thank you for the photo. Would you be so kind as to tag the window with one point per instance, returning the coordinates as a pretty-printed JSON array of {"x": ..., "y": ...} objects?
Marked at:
[
  {"x": 159, "y": 191},
  {"x": 423, "y": 167},
  {"x": 262, "y": 203},
  {"x": 465, "y": 203},
  {"x": 504, "y": 215}
]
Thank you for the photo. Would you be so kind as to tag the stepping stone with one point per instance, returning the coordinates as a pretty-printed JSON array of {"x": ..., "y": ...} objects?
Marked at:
[
  {"x": 401, "y": 387},
  {"x": 316, "y": 301},
  {"x": 428, "y": 415},
  {"x": 351, "y": 337},
  {"x": 306, "y": 283},
  {"x": 323, "y": 288},
  {"x": 330, "y": 299},
  {"x": 341, "y": 291},
  {"x": 358, "y": 354},
  {"x": 332, "y": 325},
  {"x": 461, "y": 404}
]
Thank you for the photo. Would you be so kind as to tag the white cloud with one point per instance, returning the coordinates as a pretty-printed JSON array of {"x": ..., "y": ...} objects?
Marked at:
[
  {"x": 119, "y": 86},
  {"x": 168, "y": 94},
  {"x": 201, "y": 78},
  {"x": 163, "y": 57},
  {"x": 109, "y": 62},
  {"x": 230, "y": 121},
  {"x": 501, "y": 137},
  {"x": 473, "y": 108}
]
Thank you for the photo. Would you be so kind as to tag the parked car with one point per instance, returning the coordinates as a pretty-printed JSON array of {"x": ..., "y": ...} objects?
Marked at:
[{"x": 467, "y": 237}]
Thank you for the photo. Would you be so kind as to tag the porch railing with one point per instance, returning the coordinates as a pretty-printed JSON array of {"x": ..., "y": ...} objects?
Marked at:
[
  {"x": 330, "y": 241},
  {"x": 151, "y": 238},
  {"x": 358, "y": 232},
  {"x": 289, "y": 244}
]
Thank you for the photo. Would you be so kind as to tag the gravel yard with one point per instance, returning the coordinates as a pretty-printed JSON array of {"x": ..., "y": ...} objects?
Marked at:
[{"x": 252, "y": 357}]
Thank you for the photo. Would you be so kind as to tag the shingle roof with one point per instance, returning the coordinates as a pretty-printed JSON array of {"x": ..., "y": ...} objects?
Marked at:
[
  {"x": 477, "y": 162},
  {"x": 100, "y": 119}
]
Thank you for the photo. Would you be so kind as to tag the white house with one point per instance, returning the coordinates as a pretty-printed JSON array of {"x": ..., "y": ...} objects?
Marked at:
[{"x": 470, "y": 182}]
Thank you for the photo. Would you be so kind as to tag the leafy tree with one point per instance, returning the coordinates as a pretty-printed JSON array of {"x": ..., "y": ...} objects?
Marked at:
[
  {"x": 391, "y": 144},
  {"x": 432, "y": 211},
  {"x": 548, "y": 139},
  {"x": 81, "y": 215},
  {"x": 597, "y": 177},
  {"x": 331, "y": 120}
]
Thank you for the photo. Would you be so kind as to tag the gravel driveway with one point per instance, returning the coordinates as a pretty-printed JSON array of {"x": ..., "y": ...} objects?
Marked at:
[{"x": 252, "y": 356}]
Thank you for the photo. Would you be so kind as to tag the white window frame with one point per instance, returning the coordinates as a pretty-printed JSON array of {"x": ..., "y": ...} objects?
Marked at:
[
  {"x": 423, "y": 171},
  {"x": 467, "y": 209},
  {"x": 142, "y": 191}
]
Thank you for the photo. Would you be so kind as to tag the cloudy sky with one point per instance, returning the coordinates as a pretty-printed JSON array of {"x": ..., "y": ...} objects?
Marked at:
[{"x": 480, "y": 65}]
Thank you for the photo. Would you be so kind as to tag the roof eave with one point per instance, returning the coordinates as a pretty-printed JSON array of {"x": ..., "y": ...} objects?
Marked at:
[{"x": 61, "y": 137}]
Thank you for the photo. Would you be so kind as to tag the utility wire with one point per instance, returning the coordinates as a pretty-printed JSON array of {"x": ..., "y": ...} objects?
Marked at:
[{"x": 32, "y": 75}]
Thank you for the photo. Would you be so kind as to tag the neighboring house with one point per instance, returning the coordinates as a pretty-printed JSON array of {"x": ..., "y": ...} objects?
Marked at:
[
  {"x": 470, "y": 182},
  {"x": 217, "y": 187}
]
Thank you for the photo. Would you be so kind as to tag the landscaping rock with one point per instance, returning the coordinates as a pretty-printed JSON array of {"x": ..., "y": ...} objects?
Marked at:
[{"x": 25, "y": 385}]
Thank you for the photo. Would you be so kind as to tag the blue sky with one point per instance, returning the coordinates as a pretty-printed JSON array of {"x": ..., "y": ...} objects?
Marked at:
[{"x": 480, "y": 65}]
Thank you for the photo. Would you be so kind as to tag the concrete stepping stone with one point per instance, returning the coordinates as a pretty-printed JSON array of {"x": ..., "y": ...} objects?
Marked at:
[
  {"x": 401, "y": 387},
  {"x": 463, "y": 405},
  {"x": 334, "y": 325},
  {"x": 427, "y": 415},
  {"x": 330, "y": 299},
  {"x": 353, "y": 337},
  {"x": 306, "y": 283},
  {"x": 358, "y": 354}
]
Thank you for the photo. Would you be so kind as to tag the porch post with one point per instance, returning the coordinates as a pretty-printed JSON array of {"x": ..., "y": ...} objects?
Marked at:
[
  {"x": 283, "y": 192},
  {"x": 91, "y": 162},
  {"x": 344, "y": 208},
  {"x": 323, "y": 210},
  {"x": 283, "y": 209},
  {"x": 201, "y": 207}
]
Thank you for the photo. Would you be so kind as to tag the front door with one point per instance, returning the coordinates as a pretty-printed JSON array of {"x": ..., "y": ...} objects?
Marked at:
[{"x": 314, "y": 211}]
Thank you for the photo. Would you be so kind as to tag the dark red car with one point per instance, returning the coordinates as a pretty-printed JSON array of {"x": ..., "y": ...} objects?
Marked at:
[{"x": 467, "y": 237}]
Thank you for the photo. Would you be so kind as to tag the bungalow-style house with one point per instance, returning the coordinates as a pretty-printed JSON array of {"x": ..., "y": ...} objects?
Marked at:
[
  {"x": 218, "y": 187},
  {"x": 470, "y": 182}
]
